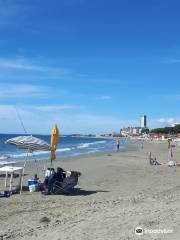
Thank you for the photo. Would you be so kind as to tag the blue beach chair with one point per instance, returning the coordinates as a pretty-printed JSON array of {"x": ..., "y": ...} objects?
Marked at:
[{"x": 64, "y": 187}]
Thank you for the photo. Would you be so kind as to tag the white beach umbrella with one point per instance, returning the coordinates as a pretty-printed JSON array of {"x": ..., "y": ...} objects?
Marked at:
[{"x": 29, "y": 142}]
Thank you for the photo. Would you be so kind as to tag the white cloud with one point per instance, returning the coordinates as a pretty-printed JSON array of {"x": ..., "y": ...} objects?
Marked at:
[
  {"x": 10, "y": 111},
  {"x": 19, "y": 64},
  {"x": 166, "y": 120},
  {"x": 106, "y": 97},
  {"x": 10, "y": 122},
  {"x": 170, "y": 120},
  {"x": 25, "y": 64},
  {"x": 36, "y": 121},
  {"x": 52, "y": 108},
  {"x": 13, "y": 12},
  {"x": 7, "y": 112},
  {"x": 161, "y": 120},
  {"x": 172, "y": 97},
  {"x": 9, "y": 91},
  {"x": 29, "y": 91},
  {"x": 70, "y": 118},
  {"x": 89, "y": 123}
]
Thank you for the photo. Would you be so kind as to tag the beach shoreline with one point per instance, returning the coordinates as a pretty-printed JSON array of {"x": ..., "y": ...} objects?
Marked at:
[
  {"x": 68, "y": 146},
  {"x": 123, "y": 147}
]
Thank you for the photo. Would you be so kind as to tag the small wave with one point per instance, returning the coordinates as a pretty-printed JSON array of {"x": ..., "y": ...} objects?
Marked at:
[
  {"x": 99, "y": 142},
  {"x": 85, "y": 153},
  {"x": 63, "y": 149},
  {"x": 21, "y": 155},
  {"x": 85, "y": 145},
  {"x": 3, "y": 157},
  {"x": 92, "y": 151}
]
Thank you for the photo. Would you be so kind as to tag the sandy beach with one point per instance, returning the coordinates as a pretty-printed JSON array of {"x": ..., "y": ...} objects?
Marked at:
[{"x": 118, "y": 192}]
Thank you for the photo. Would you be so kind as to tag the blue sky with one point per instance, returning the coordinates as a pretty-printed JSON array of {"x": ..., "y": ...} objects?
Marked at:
[{"x": 90, "y": 66}]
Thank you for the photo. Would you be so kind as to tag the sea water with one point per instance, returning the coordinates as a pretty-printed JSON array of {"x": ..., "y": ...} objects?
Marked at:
[{"x": 69, "y": 146}]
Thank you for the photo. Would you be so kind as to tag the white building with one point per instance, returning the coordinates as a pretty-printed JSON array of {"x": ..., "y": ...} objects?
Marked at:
[
  {"x": 130, "y": 131},
  {"x": 144, "y": 121}
]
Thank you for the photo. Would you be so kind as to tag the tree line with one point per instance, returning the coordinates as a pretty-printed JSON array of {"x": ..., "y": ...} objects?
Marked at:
[{"x": 167, "y": 130}]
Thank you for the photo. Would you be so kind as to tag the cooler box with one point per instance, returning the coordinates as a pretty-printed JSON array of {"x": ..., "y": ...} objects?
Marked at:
[
  {"x": 32, "y": 182},
  {"x": 34, "y": 188},
  {"x": 33, "y": 185}
]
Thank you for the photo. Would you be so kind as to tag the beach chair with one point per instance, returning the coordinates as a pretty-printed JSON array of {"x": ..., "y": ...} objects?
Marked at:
[{"x": 65, "y": 187}]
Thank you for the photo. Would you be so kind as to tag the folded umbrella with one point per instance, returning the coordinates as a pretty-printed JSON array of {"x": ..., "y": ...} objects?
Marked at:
[{"x": 54, "y": 141}]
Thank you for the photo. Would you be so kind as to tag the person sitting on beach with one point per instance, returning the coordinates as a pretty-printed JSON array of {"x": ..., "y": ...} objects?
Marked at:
[
  {"x": 49, "y": 180},
  {"x": 36, "y": 177},
  {"x": 49, "y": 171},
  {"x": 60, "y": 175},
  {"x": 154, "y": 162}
]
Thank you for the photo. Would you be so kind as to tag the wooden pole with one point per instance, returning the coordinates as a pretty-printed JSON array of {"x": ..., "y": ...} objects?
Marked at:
[{"x": 22, "y": 178}]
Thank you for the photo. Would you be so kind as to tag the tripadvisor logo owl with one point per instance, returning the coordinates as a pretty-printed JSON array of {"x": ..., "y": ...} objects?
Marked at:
[{"x": 139, "y": 231}]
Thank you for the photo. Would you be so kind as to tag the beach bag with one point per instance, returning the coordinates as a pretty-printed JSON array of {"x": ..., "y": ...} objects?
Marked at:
[{"x": 171, "y": 163}]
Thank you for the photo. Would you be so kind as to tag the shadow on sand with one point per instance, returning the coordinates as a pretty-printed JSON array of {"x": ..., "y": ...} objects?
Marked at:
[
  {"x": 73, "y": 192},
  {"x": 77, "y": 192},
  {"x": 81, "y": 192},
  {"x": 25, "y": 189}
]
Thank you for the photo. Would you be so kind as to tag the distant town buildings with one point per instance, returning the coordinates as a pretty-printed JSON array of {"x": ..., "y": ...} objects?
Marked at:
[
  {"x": 124, "y": 132},
  {"x": 135, "y": 131},
  {"x": 131, "y": 131}
]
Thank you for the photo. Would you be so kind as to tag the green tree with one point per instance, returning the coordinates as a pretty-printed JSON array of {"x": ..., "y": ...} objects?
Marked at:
[
  {"x": 145, "y": 130},
  {"x": 166, "y": 130},
  {"x": 177, "y": 128}
]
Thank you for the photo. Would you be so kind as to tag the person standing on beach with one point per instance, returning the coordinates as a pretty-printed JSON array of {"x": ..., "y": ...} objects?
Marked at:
[
  {"x": 169, "y": 144},
  {"x": 117, "y": 144}
]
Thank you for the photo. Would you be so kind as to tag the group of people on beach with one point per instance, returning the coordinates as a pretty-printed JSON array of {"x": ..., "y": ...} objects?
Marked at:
[
  {"x": 171, "y": 162},
  {"x": 154, "y": 161}
]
